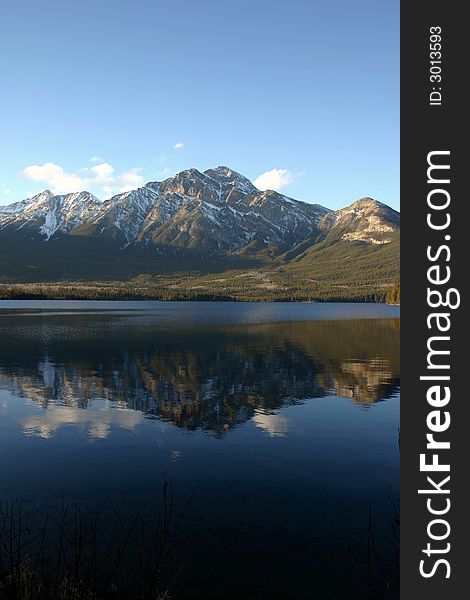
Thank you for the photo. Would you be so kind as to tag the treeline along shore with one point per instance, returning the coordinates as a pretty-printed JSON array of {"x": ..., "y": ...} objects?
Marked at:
[{"x": 234, "y": 287}]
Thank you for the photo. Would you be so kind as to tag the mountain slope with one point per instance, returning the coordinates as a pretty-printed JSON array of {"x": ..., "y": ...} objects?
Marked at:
[{"x": 198, "y": 222}]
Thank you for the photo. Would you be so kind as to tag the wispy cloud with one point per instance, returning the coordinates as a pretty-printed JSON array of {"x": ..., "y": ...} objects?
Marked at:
[
  {"x": 100, "y": 178},
  {"x": 275, "y": 179},
  {"x": 179, "y": 146},
  {"x": 95, "y": 159},
  {"x": 165, "y": 173},
  {"x": 6, "y": 191}
]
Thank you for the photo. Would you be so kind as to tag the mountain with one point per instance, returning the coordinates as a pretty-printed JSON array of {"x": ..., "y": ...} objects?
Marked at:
[
  {"x": 195, "y": 221},
  {"x": 219, "y": 210},
  {"x": 364, "y": 220},
  {"x": 46, "y": 214}
]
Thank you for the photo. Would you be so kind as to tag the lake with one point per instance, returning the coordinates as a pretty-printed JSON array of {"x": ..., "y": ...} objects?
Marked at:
[{"x": 278, "y": 423}]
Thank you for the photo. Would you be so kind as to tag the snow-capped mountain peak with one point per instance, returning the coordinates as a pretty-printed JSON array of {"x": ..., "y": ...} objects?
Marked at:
[{"x": 218, "y": 211}]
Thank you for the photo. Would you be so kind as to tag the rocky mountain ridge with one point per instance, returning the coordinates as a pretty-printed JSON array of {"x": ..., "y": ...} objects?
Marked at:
[{"x": 218, "y": 211}]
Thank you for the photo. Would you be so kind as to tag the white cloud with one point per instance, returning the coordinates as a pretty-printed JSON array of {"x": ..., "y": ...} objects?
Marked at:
[
  {"x": 275, "y": 179},
  {"x": 130, "y": 180},
  {"x": 54, "y": 177},
  {"x": 6, "y": 191},
  {"x": 102, "y": 170},
  {"x": 95, "y": 159},
  {"x": 100, "y": 178},
  {"x": 179, "y": 146}
]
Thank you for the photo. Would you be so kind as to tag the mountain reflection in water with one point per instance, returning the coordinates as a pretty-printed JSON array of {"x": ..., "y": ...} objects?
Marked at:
[{"x": 98, "y": 373}]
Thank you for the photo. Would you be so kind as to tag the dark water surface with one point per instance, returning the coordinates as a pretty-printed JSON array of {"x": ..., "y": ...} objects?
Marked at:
[{"x": 285, "y": 417}]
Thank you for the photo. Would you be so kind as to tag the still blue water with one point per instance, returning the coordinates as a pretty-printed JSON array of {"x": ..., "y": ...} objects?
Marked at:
[{"x": 282, "y": 418}]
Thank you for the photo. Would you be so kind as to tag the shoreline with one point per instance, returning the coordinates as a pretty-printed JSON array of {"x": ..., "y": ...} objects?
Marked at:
[
  {"x": 115, "y": 291},
  {"x": 81, "y": 298}
]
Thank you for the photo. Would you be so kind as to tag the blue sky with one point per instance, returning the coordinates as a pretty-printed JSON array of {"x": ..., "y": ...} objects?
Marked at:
[{"x": 108, "y": 94}]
